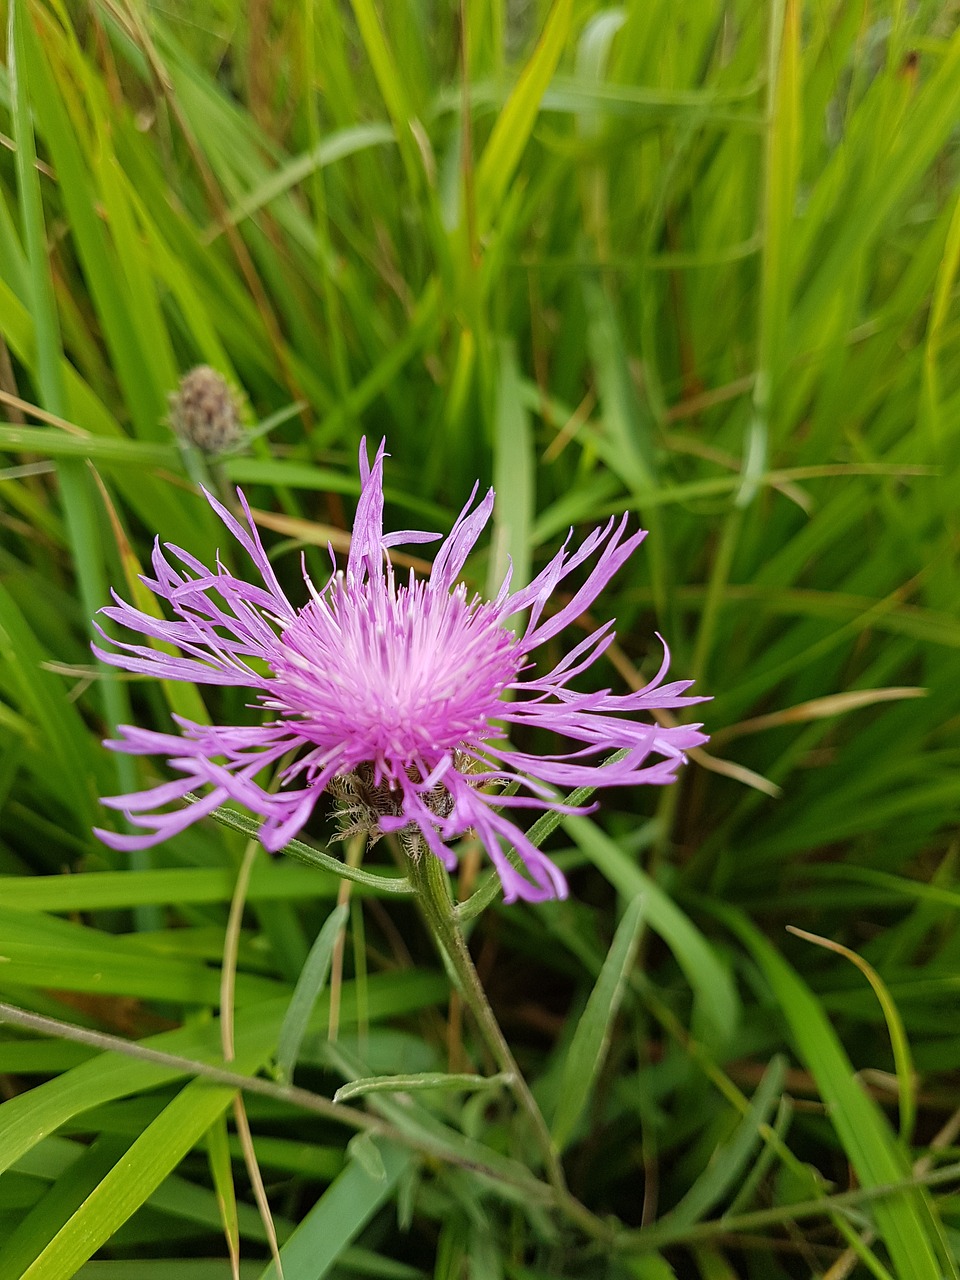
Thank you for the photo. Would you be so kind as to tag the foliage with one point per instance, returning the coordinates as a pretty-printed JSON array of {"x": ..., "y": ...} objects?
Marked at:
[{"x": 696, "y": 262}]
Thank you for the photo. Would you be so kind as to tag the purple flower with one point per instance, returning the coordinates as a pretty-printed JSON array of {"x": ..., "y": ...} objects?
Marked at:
[{"x": 397, "y": 696}]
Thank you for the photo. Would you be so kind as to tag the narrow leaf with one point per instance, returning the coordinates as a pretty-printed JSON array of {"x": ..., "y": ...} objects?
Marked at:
[
  {"x": 513, "y": 479},
  {"x": 419, "y": 1080},
  {"x": 516, "y": 121},
  {"x": 904, "y": 1220},
  {"x": 310, "y": 984},
  {"x": 729, "y": 1161},
  {"x": 717, "y": 1000},
  {"x": 592, "y": 1036},
  {"x": 339, "y": 1215}
]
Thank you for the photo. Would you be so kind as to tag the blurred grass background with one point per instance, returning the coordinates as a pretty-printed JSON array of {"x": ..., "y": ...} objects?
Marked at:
[{"x": 698, "y": 262}]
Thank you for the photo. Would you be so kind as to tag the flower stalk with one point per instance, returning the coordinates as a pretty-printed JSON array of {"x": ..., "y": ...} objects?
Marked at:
[{"x": 431, "y": 886}]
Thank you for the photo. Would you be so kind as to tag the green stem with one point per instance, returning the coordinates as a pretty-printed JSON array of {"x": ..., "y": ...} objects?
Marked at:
[{"x": 432, "y": 889}]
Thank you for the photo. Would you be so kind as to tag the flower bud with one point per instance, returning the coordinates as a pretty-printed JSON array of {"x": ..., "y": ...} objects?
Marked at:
[{"x": 206, "y": 411}]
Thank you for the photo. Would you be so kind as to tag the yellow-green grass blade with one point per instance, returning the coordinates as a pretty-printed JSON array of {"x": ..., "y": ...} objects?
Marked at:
[
  {"x": 515, "y": 123},
  {"x": 310, "y": 984},
  {"x": 75, "y": 1171},
  {"x": 335, "y": 146},
  {"x": 134, "y": 256},
  {"x": 46, "y": 953},
  {"x": 131, "y": 1181},
  {"x": 627, "y": 422},
  {"x": 915, "y": 145},
  {"x": 41, "y": 293},
  {"x": 146, "y": 495},
  {"x": 926, "y": 625},
  {"x": 899, "y": 1042},
  {"x": 69, "y": 1190},
  {"x": 396, "y": 92},
  {"x": 75, "y": 482},
  {"x": 110, "y": 890},
  {"x": 221, "y": 1171},
  {"x": 728, "y": 1165},
  {"x": 931, "y": 400},
  {"x": 175, "y": 275},
  {"x": 779, "y": 197},
  {"x": 114, "y": 304},
  {"x": 41, "y": 696}
]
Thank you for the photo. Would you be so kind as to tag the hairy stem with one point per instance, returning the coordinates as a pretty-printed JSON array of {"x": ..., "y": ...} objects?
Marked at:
[{"x": 430, "y": 884}]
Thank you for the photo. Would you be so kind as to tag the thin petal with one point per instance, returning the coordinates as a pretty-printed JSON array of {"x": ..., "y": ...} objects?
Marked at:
[
  {"x": 461, "y": 540},
  {"x": 366, "y": 543},
  {"x": 254, "y": 548},
  {"x": 165, "y": 825},
  {"x": 275, "y": 836}
]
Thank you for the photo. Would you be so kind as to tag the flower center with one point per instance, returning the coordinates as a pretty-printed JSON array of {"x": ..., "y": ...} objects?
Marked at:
[{"x": 392, "y": 674}]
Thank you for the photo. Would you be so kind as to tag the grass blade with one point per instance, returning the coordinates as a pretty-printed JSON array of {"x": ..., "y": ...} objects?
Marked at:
[
  {"x": 515, "y": 123},
  {"x": 903, "y": 1220},
  {"x": 339, "y": 1215},
  {"x": 513, "y": 480},
  {"x": 728, "y": 1164}
]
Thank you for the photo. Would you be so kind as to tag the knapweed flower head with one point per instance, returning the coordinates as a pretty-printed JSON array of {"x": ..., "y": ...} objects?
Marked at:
[{"x": 397, "y": 695}]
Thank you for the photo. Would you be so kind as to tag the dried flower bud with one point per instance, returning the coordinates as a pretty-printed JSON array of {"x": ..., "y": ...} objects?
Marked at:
[{"x": 206, "y": 411}]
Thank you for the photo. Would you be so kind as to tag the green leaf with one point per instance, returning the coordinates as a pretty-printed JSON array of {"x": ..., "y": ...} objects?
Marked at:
[
  {"x": 76, "y": 1180},
  {"x": 592, "y": 1036},
  {"x": 905, "y": 1219},
  {"x": 29, "y": 1117},
  {"x": 42, "y": 696},
  {"x": 335, "y": 146},
  {"x": 310, "y": 984},
  {"x": 717, "y": 1002},
  {"x": 363, "y": 1148},
  {"x": 221, "y": 1170},
  {"x": 628, "y": 439},
  {"x": 131, "y": 1181},
  {"x": 339, "y": 1216},
  {"x": 316, "y": 857},
  {"x": 516, "y": 121},
  {"x": 105, "y": 451},
  {"x": 107, "y": 890},
  {"x": 449, "y": 1082},
  {"x": 49, "y": 354},
  {"x": 729, "y": 1162},
  {"x": 105, "y": 279},
  {"x": 513, "y": 480}
]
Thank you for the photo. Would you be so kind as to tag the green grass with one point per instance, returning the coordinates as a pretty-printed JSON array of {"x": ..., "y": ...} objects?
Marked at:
[{"x": 698, "y": 263}]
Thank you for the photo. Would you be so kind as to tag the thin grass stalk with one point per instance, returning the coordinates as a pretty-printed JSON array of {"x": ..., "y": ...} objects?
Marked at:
[{"x": 228, "y": 981}]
